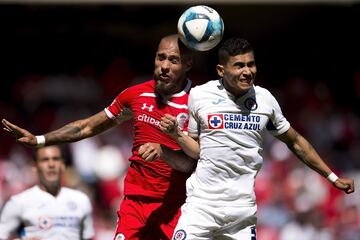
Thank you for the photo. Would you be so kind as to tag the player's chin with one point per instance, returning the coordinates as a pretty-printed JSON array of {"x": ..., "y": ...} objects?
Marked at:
[
  {"x": 52, "y": 183},
  {"x": 164, "y": 88},
  {"x": 245, "y": 83}
]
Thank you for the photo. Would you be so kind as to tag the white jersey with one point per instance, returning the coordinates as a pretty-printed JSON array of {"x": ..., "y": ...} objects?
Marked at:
[
  {"x": 231, "y": 133},
  {"x": 66, "y": 216}
]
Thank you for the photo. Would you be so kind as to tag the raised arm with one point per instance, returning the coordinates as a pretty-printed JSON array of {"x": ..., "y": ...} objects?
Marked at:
[
  {"x": 177, "y": 160},
  {"x": 188, "y": 144},
  {"x": 71, "y": 132},
  {"x": 307, "y": 154},
  {"x": 185, "y": 160}
]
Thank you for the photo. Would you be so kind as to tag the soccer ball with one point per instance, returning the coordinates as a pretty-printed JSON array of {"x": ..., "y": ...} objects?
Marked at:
[{"x": 200, "y": 28}]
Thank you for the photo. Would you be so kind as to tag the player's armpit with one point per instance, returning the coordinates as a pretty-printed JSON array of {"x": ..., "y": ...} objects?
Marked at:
[{"x": 125, "y": 115}]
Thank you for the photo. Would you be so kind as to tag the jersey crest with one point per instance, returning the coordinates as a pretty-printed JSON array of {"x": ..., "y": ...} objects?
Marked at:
[
  {"x": 250, "y": 104},
  {"x": 216, "y": 121},
  {"x": 182, "y": 118}
]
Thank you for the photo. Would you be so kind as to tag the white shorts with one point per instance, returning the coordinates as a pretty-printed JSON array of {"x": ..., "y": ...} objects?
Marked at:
[{"x": 200, "y": 222}]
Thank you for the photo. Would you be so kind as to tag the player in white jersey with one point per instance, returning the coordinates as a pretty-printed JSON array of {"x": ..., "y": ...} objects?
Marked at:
[
  {"x": 228, "y": 117},
  {"x": 48, "y": 211}
]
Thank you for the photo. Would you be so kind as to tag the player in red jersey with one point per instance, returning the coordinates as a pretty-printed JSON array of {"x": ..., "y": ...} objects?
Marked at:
[{"x": 154, "y": 192}]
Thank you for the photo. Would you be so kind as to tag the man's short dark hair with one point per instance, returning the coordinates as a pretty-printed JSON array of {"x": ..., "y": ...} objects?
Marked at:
[
  {"x": 36, "y": 150},
  {"x": 232, "y": 47}
]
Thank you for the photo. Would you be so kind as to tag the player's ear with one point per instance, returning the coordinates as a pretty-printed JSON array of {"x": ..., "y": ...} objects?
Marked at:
[
  {"x": 189, "y": 64},
  {"x": 34, "y": 169},
  {"x": 62, "y": 166},
  {"x": 220, "y": 70}
]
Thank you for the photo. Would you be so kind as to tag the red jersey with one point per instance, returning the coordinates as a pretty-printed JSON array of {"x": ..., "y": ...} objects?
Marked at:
[{"x": 152, "y": 179}]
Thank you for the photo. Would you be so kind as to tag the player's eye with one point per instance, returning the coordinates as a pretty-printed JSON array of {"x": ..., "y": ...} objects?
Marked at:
[
  {"x": 251, "y": 64},
  {"x": 160, "y": 57},
  {"x": 239, "y": 65},
  {"x": 56, "y": 158},
  {"x": 174, "y": 61}
]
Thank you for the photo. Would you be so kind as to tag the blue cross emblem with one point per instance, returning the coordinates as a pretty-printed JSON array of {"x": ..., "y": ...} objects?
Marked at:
[{"x": 215, "y": 121}]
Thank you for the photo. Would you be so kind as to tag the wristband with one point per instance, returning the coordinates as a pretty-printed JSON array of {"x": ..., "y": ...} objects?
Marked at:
[
  {"x": 332, "y": 177},
  {"x": 40, "y": 141}
]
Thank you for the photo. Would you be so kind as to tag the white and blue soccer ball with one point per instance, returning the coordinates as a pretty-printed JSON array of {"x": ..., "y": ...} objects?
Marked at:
[{"x": 200, "y": 28}]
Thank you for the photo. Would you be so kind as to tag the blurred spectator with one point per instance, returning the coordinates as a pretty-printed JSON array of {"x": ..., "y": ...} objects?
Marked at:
[{"x": 48, "y": 209}]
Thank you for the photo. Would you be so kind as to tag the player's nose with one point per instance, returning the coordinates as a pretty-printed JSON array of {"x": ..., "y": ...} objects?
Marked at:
[{"x": 165, "y": 66}]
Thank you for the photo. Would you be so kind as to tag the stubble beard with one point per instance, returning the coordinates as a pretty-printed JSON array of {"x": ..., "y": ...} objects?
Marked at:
[{"x": 164, "y": 89}]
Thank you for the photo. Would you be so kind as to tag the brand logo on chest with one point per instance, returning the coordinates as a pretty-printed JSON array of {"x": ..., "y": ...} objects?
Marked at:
[{"x": 146, "y": 107}]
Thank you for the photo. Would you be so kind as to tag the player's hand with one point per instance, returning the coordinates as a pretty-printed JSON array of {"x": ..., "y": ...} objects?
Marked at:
[
  {"x": 21, "y": 135},
  {"x": 345, "y": 184},
  {"x": 150, "y": 151},
  {"x": 169, "y": 125}
]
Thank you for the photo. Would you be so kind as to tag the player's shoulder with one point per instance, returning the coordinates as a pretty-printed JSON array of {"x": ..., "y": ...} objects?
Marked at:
[
  {"x": 138, "y": 88},
  {"x": 206, "y": 87},
  {"x": 262, "y": 91},
  {"x": 74, "y": 193},
  {"x": 25, "y": 195},
  {"x": 135, "y": 91},
  {"x": 144, "y": 86},
  {"x": 75, "y": 198}
]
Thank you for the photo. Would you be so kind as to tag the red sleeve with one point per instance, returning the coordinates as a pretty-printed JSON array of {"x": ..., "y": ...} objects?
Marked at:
[{"x": 121, "y": 102}]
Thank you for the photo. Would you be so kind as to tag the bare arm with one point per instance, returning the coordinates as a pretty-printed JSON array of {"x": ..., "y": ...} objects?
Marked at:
[
  {"x": 80, "y": 129},
  {"x": 177, "y": 160},
  {"x": 307, "y": 154},
  {"x": 188, "y": 144},
  {"x": 71, "y": 132}
]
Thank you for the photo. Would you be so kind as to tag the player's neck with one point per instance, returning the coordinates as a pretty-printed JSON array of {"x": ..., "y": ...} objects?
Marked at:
[
  {"x": 53, "y": 190},
  {"x": 177, "y": 89},
  {"x": 180, "y": 87}
]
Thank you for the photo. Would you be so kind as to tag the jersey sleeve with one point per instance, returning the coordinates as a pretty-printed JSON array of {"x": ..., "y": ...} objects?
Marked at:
[
  {"x": 119, "y": 109},
  {"x": 10, "y": 218},
  {"x": 88, "y": 225},
  {"x": 194, "y": 124},
  {"x": 277, "y": 123}
]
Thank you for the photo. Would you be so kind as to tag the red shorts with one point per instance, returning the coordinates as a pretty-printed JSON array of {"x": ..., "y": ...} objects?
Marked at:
[{"x": 142, "y": 218}]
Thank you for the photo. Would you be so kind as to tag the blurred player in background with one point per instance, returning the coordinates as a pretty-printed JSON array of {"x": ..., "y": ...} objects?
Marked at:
[
  {"x": 229, "y": 118},
  {"x": 153, "y": 191},
  {"x": 48, "y": 210}
]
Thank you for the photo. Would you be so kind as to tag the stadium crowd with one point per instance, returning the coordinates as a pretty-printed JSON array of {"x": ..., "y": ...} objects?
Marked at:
[{"x": 294, "y": 202}]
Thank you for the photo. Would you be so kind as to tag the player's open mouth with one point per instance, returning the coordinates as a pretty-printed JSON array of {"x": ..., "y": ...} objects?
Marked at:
[
  {"x": 164, "y": 78},
  {"x": 246, "y": 80}
]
